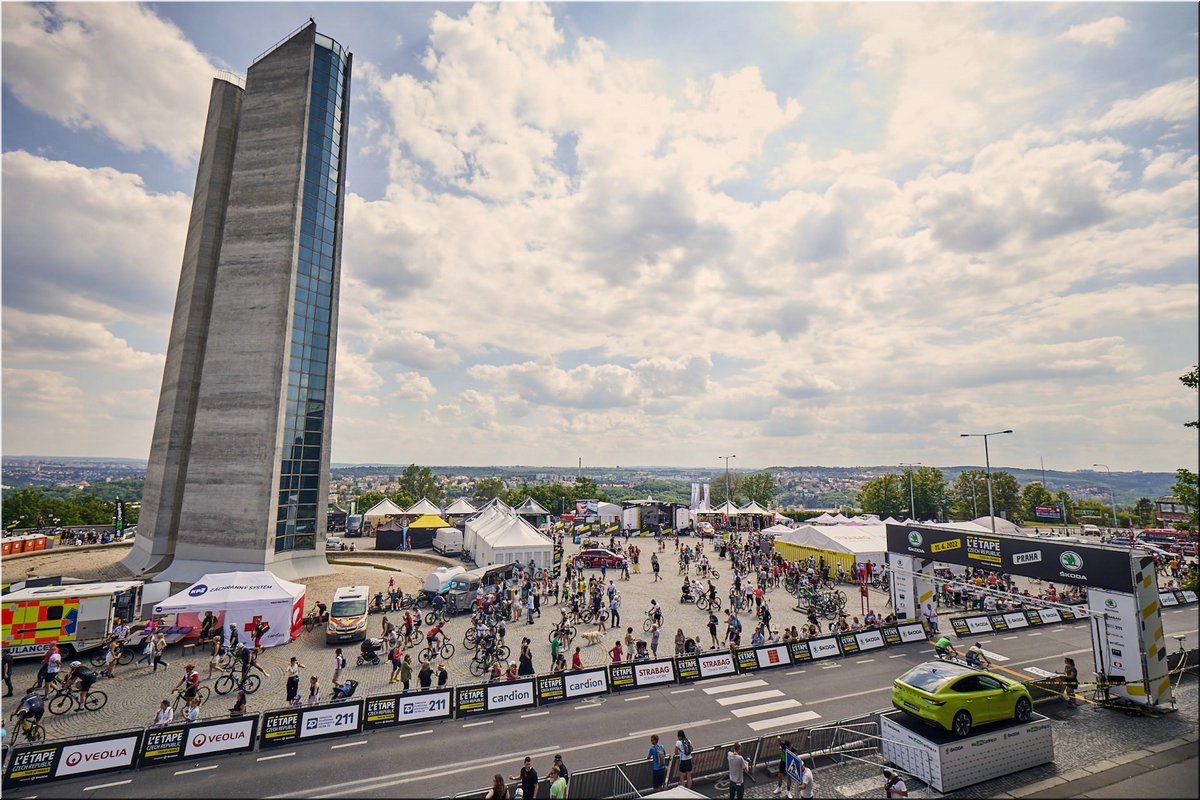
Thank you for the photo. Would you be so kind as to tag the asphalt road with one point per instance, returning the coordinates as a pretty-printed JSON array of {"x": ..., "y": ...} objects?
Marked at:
[{"x": 440, "y": 759}]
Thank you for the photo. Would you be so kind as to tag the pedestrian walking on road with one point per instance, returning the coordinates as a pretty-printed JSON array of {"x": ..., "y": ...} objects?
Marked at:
[
  {"x": 160, "y": 647},
  {"x": 654, "y": 565},
  {"x": 1070, "y": 680}
]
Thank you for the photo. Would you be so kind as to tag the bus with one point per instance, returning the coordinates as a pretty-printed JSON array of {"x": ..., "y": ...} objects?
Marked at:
[{"x": 1183, "y": 542}]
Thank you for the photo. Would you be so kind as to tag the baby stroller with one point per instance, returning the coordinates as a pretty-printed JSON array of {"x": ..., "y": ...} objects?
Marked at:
[
  {"x": 344, "y": 690},
  {"x": 368, "y": 652}
]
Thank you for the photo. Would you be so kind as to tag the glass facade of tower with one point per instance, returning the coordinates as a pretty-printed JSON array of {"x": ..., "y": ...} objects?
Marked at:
[{"x": 308, "y": 365}]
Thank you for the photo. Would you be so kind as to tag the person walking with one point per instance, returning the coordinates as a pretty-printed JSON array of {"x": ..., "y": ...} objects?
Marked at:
[
  {"x": 160, "y": 647},
  {"x": 712, "y": 629},
  {"x": 405, "y": 672},
  {"x": 529, "y": 607},
  {"x": 784, "y": 747},
  {"x": 529, "y": 780},
  {"x": 738, "y": 769},
  {"x": 614, "y": 607},
  {"x": 293, "y": 681},
  {"x": 314, "y": 690},
  {"x": 339, "y": 664},
  {"x": 654, "y": 634},
  {"x": 806, "y": 782},
  {"x": 658, "y": 762},
  {"x": 7, "y": 661},
  {"x": 1070, "y": 680},
  {"x": 654, "y": 565}
]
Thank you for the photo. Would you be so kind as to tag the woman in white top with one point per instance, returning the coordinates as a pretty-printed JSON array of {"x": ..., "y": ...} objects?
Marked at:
[
  {"x": 192, "y": 714},
  {"x": 165, "y": 715}
]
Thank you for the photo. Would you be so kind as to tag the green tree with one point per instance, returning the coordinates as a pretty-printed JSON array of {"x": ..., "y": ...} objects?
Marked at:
[
  {"x": 418, "y": 482},
  {"x": 968, "y": 495},
  {"x": 929, "y": 492},
  {"x": 488, "y": 489},
  {"x": 1185, "y": 490},
  {"x": 1192, "y": 381},
  {"x": 717, "y": 490},
  {"x": 1034, "y": 495},
  {"x": 1065, "y": 501},
  {"x": 1143, "y": 512},
  {"x": 366, "y": 500},
  {"x": 760, "y": 488},
  {"x": 22, "y": 508},
  {"x": 886, "y": 496}
]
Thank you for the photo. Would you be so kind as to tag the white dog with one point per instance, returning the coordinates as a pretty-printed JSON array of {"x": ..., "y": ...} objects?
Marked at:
[{"x": 591, "y": 637}]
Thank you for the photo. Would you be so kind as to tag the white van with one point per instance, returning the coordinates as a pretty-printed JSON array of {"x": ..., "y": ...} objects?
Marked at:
[
  {"x": 347, "y": 615},
  {"x": 448, "y": 541},
  {"x": 1090, "y": 530}
]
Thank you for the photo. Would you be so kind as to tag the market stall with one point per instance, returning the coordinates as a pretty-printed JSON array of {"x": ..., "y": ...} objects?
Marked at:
[{"x": 241, "y": 599}]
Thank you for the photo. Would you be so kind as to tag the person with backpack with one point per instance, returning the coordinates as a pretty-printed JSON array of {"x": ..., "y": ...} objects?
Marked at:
[
  {"x": 658, "y": 762},
  {"x": 683, "y": 751}
]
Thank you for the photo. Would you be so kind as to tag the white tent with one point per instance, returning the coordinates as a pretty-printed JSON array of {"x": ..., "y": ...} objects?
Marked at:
[
  {"x": 486, "y": 519},
  {"x": 532, "y": 508},
  {"x": 892, "y": 521},
  {"x": 754, "y": 508},
  {"x": 609, "y": 512},
  {"x": 461, "y": 506},
  {"x": 864, "y": 542},
  {"x": 781, "y": 518},
  {"x": 384, "y": 508},
  {"x": 513, "y": 540},
  {"x": 726, "y": 508},
  {"x": 240, "y": 599},
  {"x": 823, "y": 519},
  {"x": 423, "y": 506},
  {"x": 1002, "y": 525}
]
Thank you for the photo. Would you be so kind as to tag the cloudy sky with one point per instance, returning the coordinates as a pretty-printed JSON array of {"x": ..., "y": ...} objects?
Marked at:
[{"x": 648, "y": 233}]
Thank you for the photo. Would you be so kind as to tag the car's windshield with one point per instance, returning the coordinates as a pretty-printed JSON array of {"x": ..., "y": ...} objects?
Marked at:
[
  {"x": 929, "y": 679},
  {"x": 349, "y": 608}
]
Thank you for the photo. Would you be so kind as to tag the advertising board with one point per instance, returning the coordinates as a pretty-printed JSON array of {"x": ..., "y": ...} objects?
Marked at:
[
  {"x": 912, "y": 632},
  {"x": 709, "y": 665},
  {"x": 824, "y": 647},
  {"x": 750, "y": 659},
  {"x": 869, "y": 640},
  {"x": 1168, "y": 599},
  {"x": 891, "y": 634},
  {"x": 198, "y": 739},
  {"x": 330, "y": 720},
  {"x": 649, "y": 673},
  {"x": 1015, "y": 620},
  {"x": 72, "y": 758},
  {"x": 385, "y": 710},
  {"x": 480, "y": 699}
]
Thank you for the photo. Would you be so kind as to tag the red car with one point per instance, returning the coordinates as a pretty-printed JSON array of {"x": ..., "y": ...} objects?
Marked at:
[{"x": 594, "y": 557}]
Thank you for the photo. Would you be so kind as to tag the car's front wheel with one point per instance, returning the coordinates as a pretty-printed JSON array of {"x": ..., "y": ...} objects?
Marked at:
[
  {"x": 1024, "y": 709},
  {"x": 962, "y": 724}
]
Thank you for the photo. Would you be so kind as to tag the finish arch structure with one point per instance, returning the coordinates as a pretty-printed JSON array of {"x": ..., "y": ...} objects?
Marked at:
[{"x": 1123, "y": 606}]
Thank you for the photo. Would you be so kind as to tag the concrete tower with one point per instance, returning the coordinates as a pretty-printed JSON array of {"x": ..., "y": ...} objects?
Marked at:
[{"x": 239, "y": 462}]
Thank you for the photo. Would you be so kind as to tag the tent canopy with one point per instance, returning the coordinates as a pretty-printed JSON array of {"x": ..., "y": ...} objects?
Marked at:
[
  {"x": 423, "y": 506},
  {"x": 461, "y": 506},
  {"x": 862, "y": 541},
  {"x": 429, "y": 521},
  {"x": 532, "y": 507},
  {"x": 238, "y": 598},
  {"x": 384, "y": 508},
  {"x": 754, "y": 508},
  {"x": 511, "y": 539}
]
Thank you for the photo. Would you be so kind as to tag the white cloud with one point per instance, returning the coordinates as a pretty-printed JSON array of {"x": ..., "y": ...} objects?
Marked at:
[
  {"x": 1104, "y": 31},
  {"x": 414, "y": 386},
  {"x": 114, "y": 67},
  {"x": 1171, "y": 102}
]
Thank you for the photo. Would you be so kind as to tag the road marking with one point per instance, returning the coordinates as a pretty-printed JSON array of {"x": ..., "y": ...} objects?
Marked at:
[
  {"x": 105, "y": 785},
  {"x": 401, "y": 736},
  {"x": 765, "y": 708},
  {"x": 864, "y": 661},
  {"x": 681, "y": 691},
  {"x": 638, "y": 697},
  {"x": 792, "y": 719},
  {"x": 589, "y": 705},
  {"x": 277, "y": 755},
  {"x": 749, "y": 698},
  {"x": 733, "y": 687},
  {"x": 898, "y": 655},
  {"x": 535, "y": 714},
  {"x": 1006, "y": 638},
  {"x": 1035, "y": 633},
  {"x": 1041, "y": 673},
  {"x": 984, "y": 641},
  {"x": 795, "y": 672},
  {"x": 476, "y": 724},
  {"x": 202, "y": 769},
  {"x": 990, "y": 656},
  {"x": 831, "y": 666},
  {"x": 345, "y": 744}
]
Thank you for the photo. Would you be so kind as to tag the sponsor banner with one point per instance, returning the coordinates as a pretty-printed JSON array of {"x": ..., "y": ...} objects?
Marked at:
[
  {"x": 385, "y": 710},
  {"x": 762, "y": 657},
  {"x": 959, "y": 626},
  {"x": 469, "y": 700},
  {"x": 331, "y": 720},
  {"x": 1045, "y": 559},
  {"x": 979, "y": 625},
  {"x": 550, "y": 689},
  {"x": 586, "y": 683},
  {"x": 510, "y": 694},
  {"x": 1189, "y": 596},
  {"x": 1047, "y": 512},
  {"x": 687, "y": 668},
  {"x": 1168, "y": 599},
  {"x": 620, "y": 676},
  {"x": 847, "y": 643},
  {"x": 280, "y": 727},
  {"x": 1033, "y": 616},
  {"x": 999, "y": 624},
  {"x": 799, "y": 652},
  {"x": 870, "y": 640},
  {"x": 160, "y": 745},
  {"x": 710, "y": 665},
  {"x": 1116, "y": 638},
  {"x": 903, "y": 586},
  {"x": 649, "y": 673},
  {"x": 31, "y": 765},
  {"x": 211, "y": 738},
  {"x": 823, "y": 647},
  {"x": 1049, "y": 615},
  {"x": 1068, "y": 615},
  {"x": 913, "y": 632},
  {"x": 891, "y": 634},
  {"x": 1015, "y": 620},
  {"x": 102, "y": 755}
]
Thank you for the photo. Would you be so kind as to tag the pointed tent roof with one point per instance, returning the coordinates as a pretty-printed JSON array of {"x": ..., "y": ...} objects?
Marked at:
[
  {"x": 823, "y": 519},
  {"x": 531, "y": 506},
  {"x": 423, "y": 506},
  {"x": 461, "y": 506},
  {"x": 892, "y": 521},
  {"x": 429, "y": 521},
  {"x": 499, "y": 505},
  {"x": 384, "y": 508},
  {"x": 754, "y": 508},
  {"x": 728, "y": 509}
]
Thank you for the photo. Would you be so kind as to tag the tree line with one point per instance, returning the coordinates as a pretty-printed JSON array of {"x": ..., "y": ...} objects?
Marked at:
[{"x": 31, "y": 507}]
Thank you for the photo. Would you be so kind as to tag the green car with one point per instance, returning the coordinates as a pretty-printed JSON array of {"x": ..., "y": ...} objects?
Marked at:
[{"x": 957, "y": 698}]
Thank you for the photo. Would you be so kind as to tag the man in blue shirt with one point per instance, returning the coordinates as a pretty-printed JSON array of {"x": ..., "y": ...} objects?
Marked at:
[{"x": 658, "y": 762}]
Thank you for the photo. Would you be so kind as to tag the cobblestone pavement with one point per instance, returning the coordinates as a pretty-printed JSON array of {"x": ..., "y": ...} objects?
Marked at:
[{"x": 1087, "y": 740}]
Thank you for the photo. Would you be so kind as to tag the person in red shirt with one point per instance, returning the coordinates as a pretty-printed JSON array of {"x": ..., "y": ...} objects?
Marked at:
[
  {"x": 577, "y": 660},
  {"x": 615, "y": 652},
  {"x": 191, "y": 680}
]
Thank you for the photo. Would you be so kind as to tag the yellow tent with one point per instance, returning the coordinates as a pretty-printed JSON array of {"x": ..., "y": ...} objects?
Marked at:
[{"x": 428, "y": 521}]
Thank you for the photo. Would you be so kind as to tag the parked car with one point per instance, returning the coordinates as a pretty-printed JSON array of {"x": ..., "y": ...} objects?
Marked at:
[
  {"x": 594, "y": 557},
  {"x": 953, "y": 696}
]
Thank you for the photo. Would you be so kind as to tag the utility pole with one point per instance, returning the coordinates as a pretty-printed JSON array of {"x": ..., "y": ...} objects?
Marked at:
[
  {"x": 728, "y": 491},
  {"x": 912, "y": 502},
  {"x": 988, "y": 462}
]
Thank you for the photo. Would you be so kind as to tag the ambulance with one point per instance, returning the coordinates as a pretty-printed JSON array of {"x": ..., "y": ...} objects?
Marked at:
[{"x": 77, "y": 617}]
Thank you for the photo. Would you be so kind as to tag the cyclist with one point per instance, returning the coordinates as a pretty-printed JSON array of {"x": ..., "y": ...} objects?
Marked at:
[
  {"x": 190, "y": 682},
  {"x": 944, "y": 648},
  {"x": 433, "y": 638},
  {"x": 439, "y": 606},
  {"x": 685, "y": 593},
  {"x": 30, "y": 711},
  {"x": 86, "y": 678},
  {"x": 976, "y": 658},
  {"x": 655, "y": 613}
]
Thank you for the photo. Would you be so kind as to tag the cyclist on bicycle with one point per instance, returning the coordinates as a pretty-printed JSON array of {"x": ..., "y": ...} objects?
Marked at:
[
  {"x": 433, "y": 637},
  {"x": 439, "y": 606},
  {"x": 976, "y": 658},
  {"x": 944, "y": 648},
  {"x": 685, "y": 593},
  {"x": 86, "y": 678},
  {"x": 655, "y": 613},
  {"x": 31, "y": 709},
  {"x": 190, "y": 682}
]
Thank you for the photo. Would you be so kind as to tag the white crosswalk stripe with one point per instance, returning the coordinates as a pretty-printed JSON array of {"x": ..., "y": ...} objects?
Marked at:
[{"x": 745, "y": 699}]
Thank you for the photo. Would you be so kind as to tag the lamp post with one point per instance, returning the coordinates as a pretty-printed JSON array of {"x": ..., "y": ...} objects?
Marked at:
[
  {"x": 912, "y": 502},
  {"x": 1111, "y": 493},
  {"x": 728, "y": 492},
  {"x": 987, "y": 459}
]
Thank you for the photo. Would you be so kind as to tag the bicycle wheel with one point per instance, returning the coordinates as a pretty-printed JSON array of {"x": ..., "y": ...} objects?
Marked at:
[
  {"x": 471, "y": 639},
  {"x": 646, "y": 623},
  {"x": 425, "y": 655},
  {"x": 35, "y": 733},
  {"x": 447, "y": 651},
  {"x": 62, "y": 703},
  {"x": 204, "y": 693},
  {"x": 126, "y": 657},
  {"x": 429, "y": 617},
  {"x": 224, "y": 684},
  {"x": 96, "y": 700},
  {"x": 97, "y": 659},
  {"x": 251, "y": 683},
  {"x": 502, "y": 652},
  {"x": 478, "y": 667}
]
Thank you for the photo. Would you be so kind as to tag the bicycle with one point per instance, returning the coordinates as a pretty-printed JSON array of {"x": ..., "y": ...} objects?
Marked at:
[
  {"x": 651, "y": 620},
  {"x": 203, "y": 692},
  {"x": 565, "y": 633},
  {"x": 311, "y": 620},
  {"x": 66, "y": 698},
  {"x": 706, "y": 603},
  {"x": 481, "y": 663},
  {"x": 227, "y": 683},
  {"x": 445, "y": 651},
  {"x": 435, "y": 617},
  {"x": 32, "y": 731},
  {"x": 100, "y": 656}
]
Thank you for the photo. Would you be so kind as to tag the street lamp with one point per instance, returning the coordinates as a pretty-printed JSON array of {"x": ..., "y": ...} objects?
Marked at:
[
  {"x": 912, "y": 503},
  {"x": 728, "y": 492},
  {"x": 1111, "y": 493},
  {"x": 988, "y": 463}
]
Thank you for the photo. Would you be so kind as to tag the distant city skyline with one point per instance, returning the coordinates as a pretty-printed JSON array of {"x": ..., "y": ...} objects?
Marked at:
[{"x": 648, "y": 233}]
